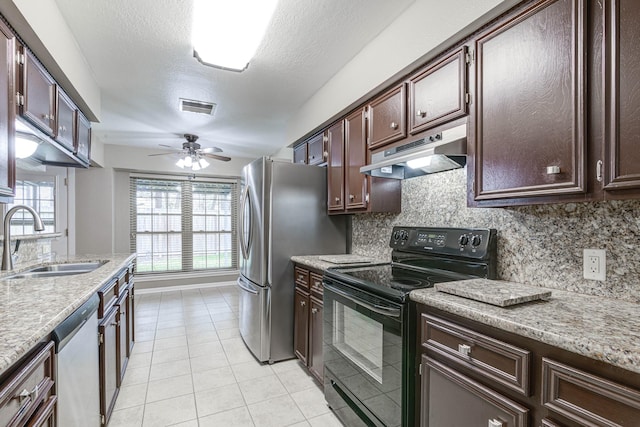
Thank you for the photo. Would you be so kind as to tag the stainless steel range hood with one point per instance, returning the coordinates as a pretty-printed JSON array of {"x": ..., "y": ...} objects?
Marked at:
[{"x": 435, "y": 153}]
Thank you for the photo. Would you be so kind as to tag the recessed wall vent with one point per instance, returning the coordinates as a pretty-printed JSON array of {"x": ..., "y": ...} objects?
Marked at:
[{"x": 200, "y": 107}]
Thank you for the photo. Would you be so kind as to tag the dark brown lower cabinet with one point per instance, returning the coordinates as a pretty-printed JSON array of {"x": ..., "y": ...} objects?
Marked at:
[
  {"x": 122, "y": 336},
  {"x": 109, "y": 367},
  {"x": 46, "y": 416},
  {"x": 315, "y": 362},
  {"x": 301, "y": 325}
]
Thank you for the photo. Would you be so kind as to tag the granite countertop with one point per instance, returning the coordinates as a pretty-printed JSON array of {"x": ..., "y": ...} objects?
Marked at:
[
  {"x": 314, "y": 261},
  {"x": 603, "y": 329},
  {"x": 31, "y": 308}
]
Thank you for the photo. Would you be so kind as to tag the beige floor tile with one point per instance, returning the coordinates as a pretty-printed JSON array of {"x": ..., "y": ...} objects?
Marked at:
[
  {"x": 169, "y": 387},
  {"x": 225, "y": 324},
  {"x": 213, "y": 378},
  {"x": 168, "y": 324},
  {"x": 129, "y": 417},
  {"x": 170, "y": 316},
  {"x": 205, "y": 349},
  {"x": 218, "y": 317},
  {"x": 199, "y": 319},
  {"x": 296, "y": 380},
  {"x": 170, "y": 355},
  {"x": 210, "y": 361},
  {"x": 165, "y": 343},
  {"x": 171, "y": 332},
  {"x": 311, "y": 402},
  {"x": 250, "y": 370},
  {"x": 139, "y": 360},
  {"x": 130, "y": 396},
  {"x": 143, "y": 347},
  {"x": 219, "y": 399},
  {"x": 276, "y": 412},
  {"x": 261, "y": 389},
  {"x": 286, "y": 365},
  {"x": 195, "y": 330},
  {"x": 169, "y": 411},
  {"x": 145, "y": 336},
  {"x": 168, "y": 370},
  {"x": 237, "y": 352},
  {"x": 225, "y": 334},
  {"x": 190, "y": 423},
  {"x": 326, "y": 420},
  {"x": 136, "y": 375},
  {"x": 238, "y": 417},
  {"x": 202, "y": 337},
  {"x": 302, "y": 424}
]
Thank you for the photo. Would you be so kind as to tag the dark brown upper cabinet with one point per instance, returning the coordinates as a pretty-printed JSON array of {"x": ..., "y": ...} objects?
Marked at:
[
  {"x": 7, "y": 114},
  {"x": 528, "y": 124},
  {"x": 438, "y": 93},
  {"x": 387, "y": 115},
  {"x": 37, "y": 103},
  {"x": 335, "y": 167},
  {"x": 83, "y": 138},
  {"x": 300, "y": 153},
  {"x": 356, "y": 155},
  {"x": 621, "y": 168},
  {"x": 317, "y": 149},
  {"x": 65, "y": 120}
]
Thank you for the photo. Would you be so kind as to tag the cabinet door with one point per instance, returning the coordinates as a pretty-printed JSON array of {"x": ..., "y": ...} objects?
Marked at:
[
  {"x": 316, "y": 364},
  {"x": 131, "y": 319},
  {"x": 7, "y": 113},
  {"x": 335, "y": 167},
  {"x": 316, "y": 149},
  {"x": 301, "y": 325},
  {"x": 622, "y": 155},
  {"x": 388, "y": 117},
  {"x": 529, "y": 110},
  {"x": 437, "y": 94},
  {"x": 356, "y": 154},
  {"x": 445, "y": 391},
  {"x": 65, "y": 120},
  {"x": 39, "y": 91},
  {"x": 121, "y": 334},
  {"x": 46, "y": 416},
  {"x": 109, "y": 369},
  {"x": 83, "y": 138},
  {"x": 300, "y": 154}
]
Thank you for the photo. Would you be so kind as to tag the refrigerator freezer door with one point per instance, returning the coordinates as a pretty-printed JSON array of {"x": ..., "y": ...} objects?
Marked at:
[
  {"x": 253, "y": 219},
  {"x": 254, "y": 304}
]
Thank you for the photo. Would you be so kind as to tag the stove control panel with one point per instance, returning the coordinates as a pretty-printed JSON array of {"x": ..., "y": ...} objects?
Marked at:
[{"x": 464, "y": 242}]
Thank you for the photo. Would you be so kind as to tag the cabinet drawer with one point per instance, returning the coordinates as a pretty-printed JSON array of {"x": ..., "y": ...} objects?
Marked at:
[
  {"x": 108, "y": 296},
  {"x": 452, "y": 399},
  {"x": 302, "y": 277},
  {"x": 27, "y": 388},
  {"x": 588, "y": 399},
  {"x": 122, "y": 283},
  {"x": 486, "y": 356},
  {"x": 316, "y": 285}
]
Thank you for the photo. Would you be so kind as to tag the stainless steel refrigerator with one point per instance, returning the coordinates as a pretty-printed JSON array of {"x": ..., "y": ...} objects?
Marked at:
[{"x": 283, "y": 212}]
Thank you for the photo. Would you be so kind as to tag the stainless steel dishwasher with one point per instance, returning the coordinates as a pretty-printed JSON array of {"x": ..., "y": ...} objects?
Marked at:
[{"x": 77, "y": 379}]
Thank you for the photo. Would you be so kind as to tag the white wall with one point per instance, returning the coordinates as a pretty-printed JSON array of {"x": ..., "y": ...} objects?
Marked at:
[
  {"x": 413, "y": 37},
  {"x": 94, "y": 211}
]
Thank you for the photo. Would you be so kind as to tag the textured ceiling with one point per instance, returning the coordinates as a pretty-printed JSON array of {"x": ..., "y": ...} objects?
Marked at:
[{"x": 141, "y": 56}]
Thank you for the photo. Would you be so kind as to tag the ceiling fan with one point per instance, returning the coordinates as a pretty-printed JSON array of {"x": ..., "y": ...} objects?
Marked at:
[{"x": 192, "y": 155}]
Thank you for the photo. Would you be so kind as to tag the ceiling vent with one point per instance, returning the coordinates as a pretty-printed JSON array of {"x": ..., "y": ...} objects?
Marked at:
[{"x": 200, "y": 107}]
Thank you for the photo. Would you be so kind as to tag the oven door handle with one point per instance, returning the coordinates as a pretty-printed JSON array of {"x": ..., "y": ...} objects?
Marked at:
[{"x": 385, "y": 311}]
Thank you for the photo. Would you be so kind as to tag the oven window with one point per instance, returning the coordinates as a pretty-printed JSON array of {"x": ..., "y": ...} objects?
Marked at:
[{"x": 359, "y": 338}]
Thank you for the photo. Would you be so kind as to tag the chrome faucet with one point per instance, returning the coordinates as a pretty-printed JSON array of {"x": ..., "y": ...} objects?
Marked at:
[{"x": 7, "y": 260}]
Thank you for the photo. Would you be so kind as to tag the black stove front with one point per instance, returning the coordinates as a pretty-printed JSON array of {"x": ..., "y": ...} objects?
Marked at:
[{"x": 367, "y": 328}]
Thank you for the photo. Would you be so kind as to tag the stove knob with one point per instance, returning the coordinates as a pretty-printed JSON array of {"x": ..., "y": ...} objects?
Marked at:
[
  {"x": 463, "y": 240},
  {"x": 476, "y": 240},
  {"x": 405, "y": 235},
  {"x": 397, "y": 235}
]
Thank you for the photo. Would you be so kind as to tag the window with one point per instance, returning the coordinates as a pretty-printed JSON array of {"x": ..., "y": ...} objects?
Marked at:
[
  {"x": 38, "y": 193},
  {"x": 183, "y": 225}
]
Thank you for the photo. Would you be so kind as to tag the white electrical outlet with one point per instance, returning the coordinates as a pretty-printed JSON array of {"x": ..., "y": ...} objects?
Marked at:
[{"x": 594, "y": 264}]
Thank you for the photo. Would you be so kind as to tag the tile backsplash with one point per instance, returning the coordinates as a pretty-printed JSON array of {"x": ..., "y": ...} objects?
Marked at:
[{"x": 539, "y": 245}]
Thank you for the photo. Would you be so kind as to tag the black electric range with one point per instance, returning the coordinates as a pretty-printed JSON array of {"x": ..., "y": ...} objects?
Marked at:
[{"x": 368, "y": 365}]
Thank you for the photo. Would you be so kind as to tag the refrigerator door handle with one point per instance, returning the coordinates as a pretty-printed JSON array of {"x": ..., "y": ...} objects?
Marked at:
[
  {"x": 244, "y": 246},
  {"x": 242, "y": 284}
]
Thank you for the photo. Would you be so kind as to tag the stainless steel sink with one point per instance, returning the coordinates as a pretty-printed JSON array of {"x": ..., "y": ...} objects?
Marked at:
[{"x": 54, "y": 270}]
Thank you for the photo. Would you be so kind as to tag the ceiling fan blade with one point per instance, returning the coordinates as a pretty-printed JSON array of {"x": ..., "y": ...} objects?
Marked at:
[
  {"x": 170, "y": 147},
  {"x": 211, "y": 150},
  {"x": 217, "y": 157},
  {"x": 161, "y": 154}
]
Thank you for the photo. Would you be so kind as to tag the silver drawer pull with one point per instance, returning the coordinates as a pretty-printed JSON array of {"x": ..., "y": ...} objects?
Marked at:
[
  {"x": 314, "y": 310},
  {"x": 464, "y": 349},
  {"x": 316, "y": 285},
  {"x": 553, "y": 170},
  {"x": 26, "y": 394},
  {"x": 495, "y": 423},
  {"x": 303, "y": 303},
  {"x": 393, "y": 125},
  {"x": 421, "y": 113}
]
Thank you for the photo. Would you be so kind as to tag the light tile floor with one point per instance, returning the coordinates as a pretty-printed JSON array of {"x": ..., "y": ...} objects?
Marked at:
[{"x": 190, "y": 368}]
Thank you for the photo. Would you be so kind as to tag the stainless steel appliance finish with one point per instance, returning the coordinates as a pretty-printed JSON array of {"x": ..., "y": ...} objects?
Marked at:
[
  {"x": 283, "y": 212},
  {"x": 434, "y": 153},
  {"x": 369, "y": 321},
  {"x": 78, "y": 386}
]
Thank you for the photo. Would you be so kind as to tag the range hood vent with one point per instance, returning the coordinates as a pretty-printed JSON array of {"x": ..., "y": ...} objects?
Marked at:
[
  {"x": 435, "y": 153},
  {"x": 199, "y": 107}
]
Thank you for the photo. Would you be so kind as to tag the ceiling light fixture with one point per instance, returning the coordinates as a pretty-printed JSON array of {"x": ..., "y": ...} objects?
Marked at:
[
  {"x": 25, "y": 145},
  {"x": 192, "y": 160},
  {"x": 226, "y": 34}
]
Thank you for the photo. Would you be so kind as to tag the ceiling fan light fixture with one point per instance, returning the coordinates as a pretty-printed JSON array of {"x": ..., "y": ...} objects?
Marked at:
[
  {"x": 203, "y": 163},
  {"x": 188, "y": 161},
  {"x": 226, "y": 34},
  {"x": 180, "y": 163}
]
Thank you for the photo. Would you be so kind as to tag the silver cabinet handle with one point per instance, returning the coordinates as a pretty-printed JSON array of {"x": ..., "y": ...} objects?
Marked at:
[
  {"x": 26, "y": 394},
  {"x": 316, "y": 284},
  {"x": 303, "y": 303},
  {"x": 351, "y": 197},
  {"x": 599, "y": 170},
  {"x": 337, "y": 199},
  {"x": 464, "y": 349},
  {"x": 393, "y": 125},
  {"x": 421, "y": 113},
  {"x": 553, "y": 170},
  {"x": 495, "y": 423},
  {"x": 314, "y": 310}
]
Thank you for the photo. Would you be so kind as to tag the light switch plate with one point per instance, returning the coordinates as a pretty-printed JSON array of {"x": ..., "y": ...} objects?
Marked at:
[{"x": 594, "y": 264}]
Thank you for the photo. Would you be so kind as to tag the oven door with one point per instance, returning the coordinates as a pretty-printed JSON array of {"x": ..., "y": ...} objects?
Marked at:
[{"x": 362, "y": 356}]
